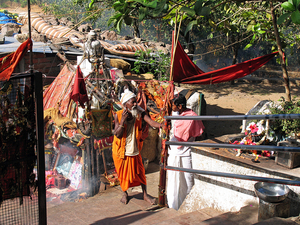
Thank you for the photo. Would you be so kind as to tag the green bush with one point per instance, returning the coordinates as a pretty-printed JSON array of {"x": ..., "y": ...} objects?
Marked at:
[
  {"x": 158, "y": 64},
  {"x": 287, "y": 127}
]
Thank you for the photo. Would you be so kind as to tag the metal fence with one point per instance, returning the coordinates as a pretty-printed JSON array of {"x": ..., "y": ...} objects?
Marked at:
[
  {"x": 231, "y": 146},
  {"x": 22, "y": 162}
]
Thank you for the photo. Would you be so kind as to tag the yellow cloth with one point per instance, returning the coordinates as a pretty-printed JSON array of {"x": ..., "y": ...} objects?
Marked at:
[{"x": 55, "y": 115}]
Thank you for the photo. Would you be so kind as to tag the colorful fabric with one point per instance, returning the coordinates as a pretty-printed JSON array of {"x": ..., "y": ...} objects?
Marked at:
[
  {"x": 6, "y": 18},
  {"x": 55, "y": 115},
  {"x": 186, "y": 72},
  {"x": 103, "y": 143},
  {"x": 130, "y": 170},
  {"x": 142, "y": 102},
  {"x": 101, "y": 122},
  {"x": 75, "y": 174},
  {"x": 185, "y": 129},
  {"x": 58, "y": 94},
  {"x": 9, "y": 62},
  {"x": 79, "y": 93}
]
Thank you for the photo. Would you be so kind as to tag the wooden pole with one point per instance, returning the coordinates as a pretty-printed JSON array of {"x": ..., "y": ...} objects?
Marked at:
[
  {"x": 175, "y": 46},
  {"x": 173, "y": 43}
]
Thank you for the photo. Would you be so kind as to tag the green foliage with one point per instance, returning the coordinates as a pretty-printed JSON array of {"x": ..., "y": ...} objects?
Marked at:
[
  {"x": 3, "y": 5},
  {"x": 23, "y": 3},
  {"x": 157, "y": 64},
  {"x": 286, "y": 126},
  {"x": 293, "y": 14},
  {"x": 64, "y": 8}
]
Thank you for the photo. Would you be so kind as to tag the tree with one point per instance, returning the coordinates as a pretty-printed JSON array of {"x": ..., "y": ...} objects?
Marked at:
[{"x": 64, "y": 8}]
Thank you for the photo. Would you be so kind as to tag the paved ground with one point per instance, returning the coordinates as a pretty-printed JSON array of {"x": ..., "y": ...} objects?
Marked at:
[{"x": 106, "y": 208}]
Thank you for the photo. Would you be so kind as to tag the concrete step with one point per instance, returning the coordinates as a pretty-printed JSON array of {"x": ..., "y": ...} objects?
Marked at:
[
  {"x": 246, "y": 216},
  {"x": 191, "y": 218}
]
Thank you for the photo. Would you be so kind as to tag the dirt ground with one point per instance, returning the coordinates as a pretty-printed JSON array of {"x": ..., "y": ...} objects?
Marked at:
[
  {"x": 14, "y": 7},
  {"x": 237, "y": 99}
]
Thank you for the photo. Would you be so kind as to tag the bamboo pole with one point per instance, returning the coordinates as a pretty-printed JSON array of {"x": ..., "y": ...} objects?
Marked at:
[
  {"x": 174, "y": 48},
  {"x": 173, "y": 36}
]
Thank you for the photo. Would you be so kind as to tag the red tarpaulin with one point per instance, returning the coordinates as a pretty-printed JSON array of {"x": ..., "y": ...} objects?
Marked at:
[
  {"x": 9, "y": 62},
  {"x": 58, "y": 94},
  {"x": 186, "y": 72}
]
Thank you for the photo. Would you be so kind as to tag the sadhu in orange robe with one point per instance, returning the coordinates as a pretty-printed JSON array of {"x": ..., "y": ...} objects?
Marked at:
[{"x": 130, "y": 169}]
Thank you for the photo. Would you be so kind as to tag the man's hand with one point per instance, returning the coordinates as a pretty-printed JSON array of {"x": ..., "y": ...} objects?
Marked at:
[{"x": 125, "y": 115}]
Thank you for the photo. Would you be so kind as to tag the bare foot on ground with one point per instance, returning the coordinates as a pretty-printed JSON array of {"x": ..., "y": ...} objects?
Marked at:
[
  {"x": 124, "y": 199},
  {"x": 149, "y": 199}
]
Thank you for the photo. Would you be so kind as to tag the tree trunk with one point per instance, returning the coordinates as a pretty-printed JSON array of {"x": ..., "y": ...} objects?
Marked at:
[
  {"x": 235, "y": 49},
  {"x": 136, "y": 31},
  {"x": 282, "y": 61}
]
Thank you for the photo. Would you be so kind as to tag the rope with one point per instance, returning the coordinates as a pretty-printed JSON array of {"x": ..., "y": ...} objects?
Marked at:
[{"x": 50, "y": 77}]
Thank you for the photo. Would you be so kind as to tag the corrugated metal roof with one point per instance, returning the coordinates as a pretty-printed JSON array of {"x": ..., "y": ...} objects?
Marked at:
[{"x": 11, "y": 45}]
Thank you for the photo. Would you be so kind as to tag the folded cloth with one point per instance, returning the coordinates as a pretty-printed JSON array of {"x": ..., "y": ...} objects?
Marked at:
[{"x": 185, "y": 129}]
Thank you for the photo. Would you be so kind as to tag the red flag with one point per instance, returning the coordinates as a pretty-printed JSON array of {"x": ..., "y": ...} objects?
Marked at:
[
  {"x": 8, "y": 63},
  {"x": 186, "y": 72},
  {"x": 79, "y": 93}
]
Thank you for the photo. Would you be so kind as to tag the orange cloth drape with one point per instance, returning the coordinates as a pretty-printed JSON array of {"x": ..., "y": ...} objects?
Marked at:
[
  {"x": 9, "y": 62},
  {"x": 130, "y": 169}
]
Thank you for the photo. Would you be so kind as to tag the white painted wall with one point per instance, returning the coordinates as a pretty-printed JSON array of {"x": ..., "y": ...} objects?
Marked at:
[{"x": 222, "y": 194}]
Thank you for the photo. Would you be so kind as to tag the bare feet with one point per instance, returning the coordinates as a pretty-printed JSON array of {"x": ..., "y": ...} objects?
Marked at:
[
  {"x": 149, "y": 199},
  {"x": 124, "y": 199}
]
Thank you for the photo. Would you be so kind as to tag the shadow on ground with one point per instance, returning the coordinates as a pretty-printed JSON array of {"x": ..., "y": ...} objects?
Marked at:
[{"x": 217, "y": 128}]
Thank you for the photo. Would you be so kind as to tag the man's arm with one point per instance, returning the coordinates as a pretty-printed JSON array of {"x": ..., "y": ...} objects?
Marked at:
[
  {"x": 151, "y": 122},
  {"x": 119, "y": 127}
]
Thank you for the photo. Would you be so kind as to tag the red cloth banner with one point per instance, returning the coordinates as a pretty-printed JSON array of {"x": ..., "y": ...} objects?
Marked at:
[
  {"x": 58, "y": 94},
  {"x": 79, "y": 93},
  {"x": 186, "y": 72},
  {"x": 8, "y": 63}
]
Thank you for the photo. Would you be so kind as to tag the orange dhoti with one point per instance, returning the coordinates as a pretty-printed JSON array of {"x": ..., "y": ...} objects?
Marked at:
[{"x": 130, "y": 171}]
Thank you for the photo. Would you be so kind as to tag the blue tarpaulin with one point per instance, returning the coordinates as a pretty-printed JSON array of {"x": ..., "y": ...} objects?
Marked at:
[{"x": 4, "y": 19}]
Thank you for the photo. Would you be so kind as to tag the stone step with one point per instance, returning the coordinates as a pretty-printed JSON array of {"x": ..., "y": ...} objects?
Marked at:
[
  {"x": 191, "y": 218},
  {"x": 246, "y": 216}
]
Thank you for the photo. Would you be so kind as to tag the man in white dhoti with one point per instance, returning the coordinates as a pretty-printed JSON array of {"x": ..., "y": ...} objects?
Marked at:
[{"x": 180, "y": 183}]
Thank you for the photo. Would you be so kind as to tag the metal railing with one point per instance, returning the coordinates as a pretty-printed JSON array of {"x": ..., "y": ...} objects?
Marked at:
[{"x": 233, "y": 146}]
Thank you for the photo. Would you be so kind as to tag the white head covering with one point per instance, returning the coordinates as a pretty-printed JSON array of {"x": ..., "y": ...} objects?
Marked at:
[{"x": 126, "y": 96}]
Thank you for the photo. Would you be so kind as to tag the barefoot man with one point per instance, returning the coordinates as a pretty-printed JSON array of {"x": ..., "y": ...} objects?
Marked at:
[{"x": 127, "y": 145}]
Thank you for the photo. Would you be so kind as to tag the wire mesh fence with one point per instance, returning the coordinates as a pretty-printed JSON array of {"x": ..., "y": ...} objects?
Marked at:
[{"x": 18, "y": 157}]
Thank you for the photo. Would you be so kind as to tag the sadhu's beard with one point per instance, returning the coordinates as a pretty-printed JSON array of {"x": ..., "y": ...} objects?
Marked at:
[{"x": 133, "y": 111}]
